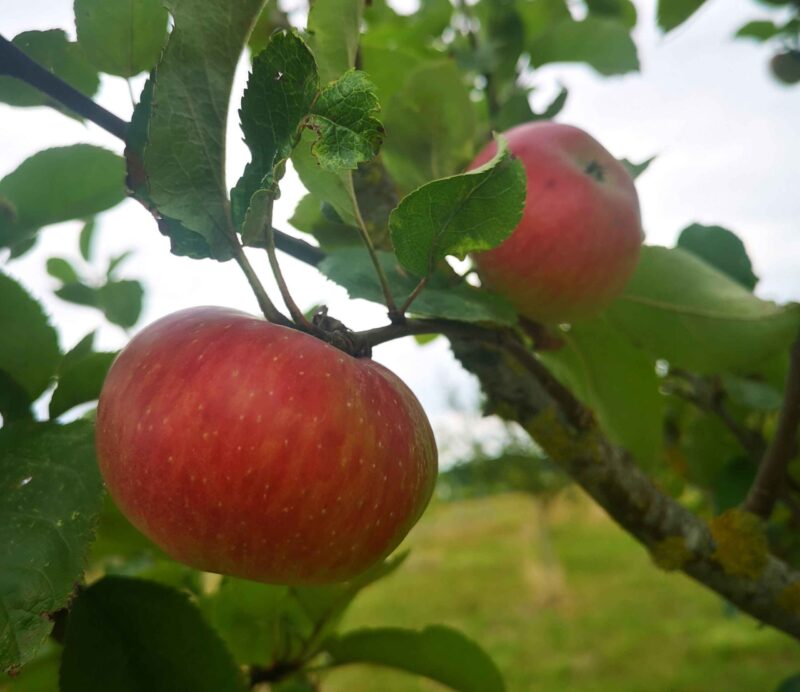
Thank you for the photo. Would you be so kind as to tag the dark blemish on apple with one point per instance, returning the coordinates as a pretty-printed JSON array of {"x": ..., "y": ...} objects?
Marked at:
[
  {"x": 550, "y": 184},
  {"x": 595, "y": 170}
]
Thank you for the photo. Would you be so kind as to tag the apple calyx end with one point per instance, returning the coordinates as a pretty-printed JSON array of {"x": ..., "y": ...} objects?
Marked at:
[{"x": 595, "y": 170}]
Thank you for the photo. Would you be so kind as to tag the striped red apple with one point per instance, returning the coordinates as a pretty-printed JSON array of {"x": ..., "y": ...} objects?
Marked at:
[
  {"x": 578, "y": 241},
  {"x": 258, "y": 451}
]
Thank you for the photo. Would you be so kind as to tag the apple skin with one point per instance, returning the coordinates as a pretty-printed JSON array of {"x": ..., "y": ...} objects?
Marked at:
[
  {"x": 258, "y": 451},
  {"x": 579, "y": 238}
]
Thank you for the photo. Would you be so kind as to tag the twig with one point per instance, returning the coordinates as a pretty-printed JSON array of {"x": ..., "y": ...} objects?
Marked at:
[
  {"x": 772, "y": 470},
  {"x": 403, "y": 309},
  {"x": 709, "y": 397},
  {"x": 14, "y": 63},
  {"x": 395, "y": 316}
]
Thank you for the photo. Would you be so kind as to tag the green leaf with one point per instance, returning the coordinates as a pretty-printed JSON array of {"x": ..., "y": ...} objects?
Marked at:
[
  {"x": 732, "y": 483},
  {"x": 605, "y": 44},
  {"x": 50, "y": 493},
  {"x": 618, "y": 381},
  {"x": 437, "y": 652},
  {"x": 86, "y": 238},
  {"x": 709, "y": 446},
  {"x": 329, "y": 233},
  {"x": 15, "y": 404},
  {"x": 352, "y": 268},
  {"x": 679, "y": 308},
  {"x": 328, "y": 186},
  {"x": 752, "y": 394},
  {"x": 540, "y": 16},
  {"x": 80, "y": 350},
  {"x": 114, "y": 262},
  {"x": 79, "y": 293},
  {"x": 255, "y": 620},
  {"x": 278, "y": 96},
  {"x": 722, "y": 249},
  {"x": 61, "y": 269},
  {"x": 121, "y": 37},
  {"x": 343, "y": 118},
  {"x": 636, "y": 169},
  {"x": 473, "y": 211},
  {"x": 55, "y": 52},
  {"x": 384, "y": 64},
  {"x": 790, "y": 684},
  {"x": 129, "y": 635},
  {"x": 623, "y": 11},
  {"x": 430, "y": 126},
  {"x": 29, "y": 352},
  {"x": 761, "y": 30},
  {"x": 325, "y": 605},
  {"x": 80, "y": 382},
  {"x": 40, "y": 674},
  {"x": 118, "y": 541},
  {"x": 60, "y": 184},
  {"x": 413, "y": 31},
  {"x": 121, "y": 301},
  {"x": 673, "y": 13},
  {"x": 185, "y": 155},
  {"x": 334, "y": 27}
]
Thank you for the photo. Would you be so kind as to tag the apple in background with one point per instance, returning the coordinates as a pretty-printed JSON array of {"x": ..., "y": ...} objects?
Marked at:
[
  {"x": 578, "y": 241},
  {"x": 785, "y": 66},
  {"x": 261, "y": 452}
]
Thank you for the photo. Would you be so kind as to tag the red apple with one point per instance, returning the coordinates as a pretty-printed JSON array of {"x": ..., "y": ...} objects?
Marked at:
[
  {"x": 258, "y": 451},
  {"x": 578, "y": 241}
]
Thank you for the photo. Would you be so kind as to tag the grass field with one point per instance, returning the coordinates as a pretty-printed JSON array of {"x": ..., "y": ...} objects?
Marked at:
[{"x": 578, "y": 606}]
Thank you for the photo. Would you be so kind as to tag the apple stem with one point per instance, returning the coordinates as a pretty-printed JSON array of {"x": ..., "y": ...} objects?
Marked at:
[
  {"x": 270, "y": 312},
  {"x": 269, "y": 239},
  {"x": 395, "y": 316}
]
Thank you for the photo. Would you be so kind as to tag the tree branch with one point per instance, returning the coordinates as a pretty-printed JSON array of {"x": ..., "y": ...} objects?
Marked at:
[
  {"x": 14, "y": 63},
  {"x": 772, "y": 470},
  {"x": 613, "y": 479}
]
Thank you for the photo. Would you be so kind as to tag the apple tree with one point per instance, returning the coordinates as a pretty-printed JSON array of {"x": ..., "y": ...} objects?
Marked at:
[{"x": 675, "y": 408}]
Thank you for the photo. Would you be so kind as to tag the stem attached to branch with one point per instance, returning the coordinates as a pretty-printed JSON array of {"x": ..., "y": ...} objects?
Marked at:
[
  {"x": 413, "y": 295},
  {"x": 14, "y": 63},
  {"x": 395, "y": 315},
  {"x": 772, "y": 470},
  {"x": 269, "y": 238},
  {"x": 267, "y": 306}
]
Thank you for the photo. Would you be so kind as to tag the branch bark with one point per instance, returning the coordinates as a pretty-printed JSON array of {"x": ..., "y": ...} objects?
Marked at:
[
  {"x": 612, "y": 478},
  {"x": 14, "y": 63}
]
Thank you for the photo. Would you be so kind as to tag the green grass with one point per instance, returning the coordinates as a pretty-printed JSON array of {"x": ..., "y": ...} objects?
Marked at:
[{"x": 594, "y": 615}]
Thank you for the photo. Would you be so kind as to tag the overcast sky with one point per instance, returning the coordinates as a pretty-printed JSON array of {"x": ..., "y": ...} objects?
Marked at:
[{"x": 726, "y": 136}]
